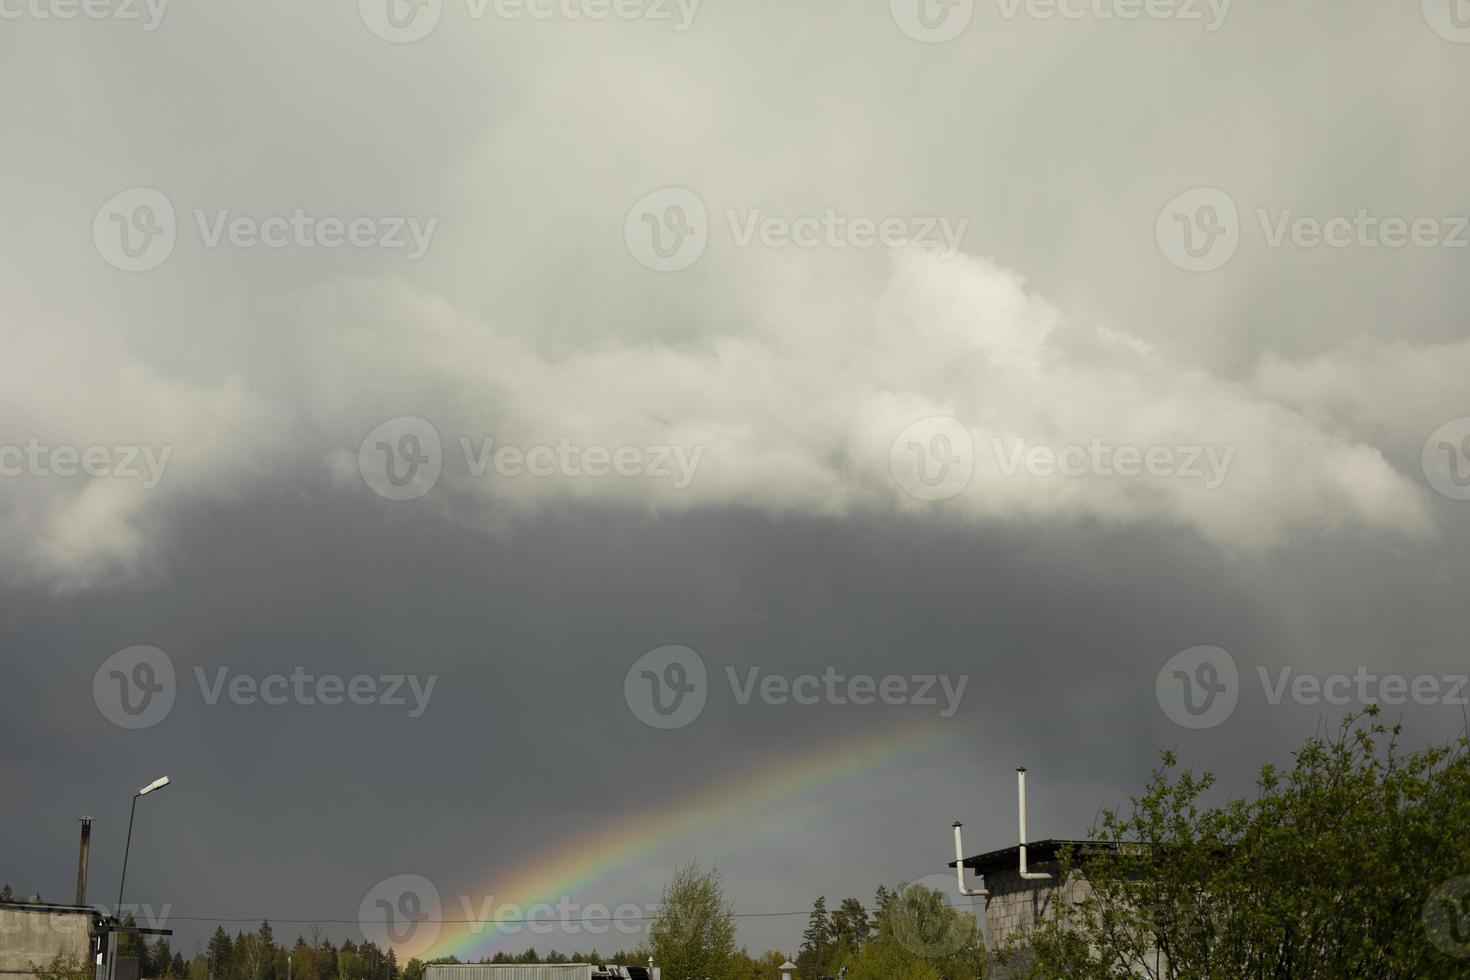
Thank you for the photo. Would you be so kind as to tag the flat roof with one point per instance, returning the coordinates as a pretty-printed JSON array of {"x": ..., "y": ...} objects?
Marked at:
[
  {"x": 1009, "y": 858},
  {"x": 51, "y": 907}
]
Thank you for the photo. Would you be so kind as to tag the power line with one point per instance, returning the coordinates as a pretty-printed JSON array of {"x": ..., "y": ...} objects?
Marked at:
[{"x": 538, "y": 920}]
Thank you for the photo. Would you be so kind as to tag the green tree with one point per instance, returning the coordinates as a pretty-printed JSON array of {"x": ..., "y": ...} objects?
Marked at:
[
  {"x": 221, "y": 953},
  {"x": 1345, "y": 866},
  {"x": 693, "y": 935},
  {"x": 850, "y": 928},
  {"x": 63, "y": 966},
  {"x": 766, "y": 966},
  {"x": 815, "y": 954},
  {"x": 918, "y": 936}
]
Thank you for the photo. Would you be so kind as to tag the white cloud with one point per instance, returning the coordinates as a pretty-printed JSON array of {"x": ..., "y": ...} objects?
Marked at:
[
  {"x": 798, "y": 414},
  {"x": 164, "y": 441}
]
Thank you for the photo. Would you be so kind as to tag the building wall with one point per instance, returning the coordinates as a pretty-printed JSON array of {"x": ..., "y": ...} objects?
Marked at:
[
  {"x": 507, "y": 971},
  {"x": 35, "y": 936},
  {"x": 1016, "y": 905}
]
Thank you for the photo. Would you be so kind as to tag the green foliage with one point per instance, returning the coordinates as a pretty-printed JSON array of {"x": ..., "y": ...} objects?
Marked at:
[
  {"x": 767, "y": 966},
  {"x": 815, "y": 955},
  {"x": 850, "y": 928},
  {"x": 919, "y": 936},
  {"x": 693, "y": 935},
  {"x": 64, "y": 966},
  {"x": 1328, "y": 872}
]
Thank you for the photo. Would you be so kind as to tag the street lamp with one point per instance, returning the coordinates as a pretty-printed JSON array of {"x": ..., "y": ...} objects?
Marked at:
[{"x": 159, "y": 783}]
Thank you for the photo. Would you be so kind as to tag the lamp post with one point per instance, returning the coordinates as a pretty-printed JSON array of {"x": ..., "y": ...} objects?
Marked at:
[{"x": 159, "y": 783}]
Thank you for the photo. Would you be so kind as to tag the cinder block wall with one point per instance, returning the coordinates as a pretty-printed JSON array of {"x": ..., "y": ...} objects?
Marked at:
[
  {"x": 1015, "y": 905},
  {"x": 35, "y": 937}
]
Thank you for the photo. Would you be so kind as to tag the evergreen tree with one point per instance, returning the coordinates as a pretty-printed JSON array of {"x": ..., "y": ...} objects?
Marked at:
[
  {"x": 221, "y": 953},
  {"x": 849, "y": 928},
  {"x": 815, "y": 954}
]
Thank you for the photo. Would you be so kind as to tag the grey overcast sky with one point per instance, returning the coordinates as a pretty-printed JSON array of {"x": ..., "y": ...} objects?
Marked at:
[{"x": 1107, "y": 359}]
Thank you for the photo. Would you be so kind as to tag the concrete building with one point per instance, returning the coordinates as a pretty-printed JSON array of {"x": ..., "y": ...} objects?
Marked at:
[
  {"x": 535, "y": 971},
  {"x": 1023, "y": 884},
  {"x": 1014, "y": 904},
  {"x": 33, "y": 935}
]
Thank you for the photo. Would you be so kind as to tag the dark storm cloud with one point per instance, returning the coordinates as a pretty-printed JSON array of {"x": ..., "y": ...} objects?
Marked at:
[{"x": 1330, "y": 547}]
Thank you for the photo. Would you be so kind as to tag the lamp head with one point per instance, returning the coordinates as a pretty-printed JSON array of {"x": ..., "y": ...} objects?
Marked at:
[{"x": 158, "y": 783}]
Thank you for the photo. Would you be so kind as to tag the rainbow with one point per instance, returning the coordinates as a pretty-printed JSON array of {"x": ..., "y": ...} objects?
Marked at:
[{"x": 572, "y": 867}]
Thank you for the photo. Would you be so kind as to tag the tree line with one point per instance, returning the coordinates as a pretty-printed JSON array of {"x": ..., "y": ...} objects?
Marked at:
[{"x": 1352, "y": 862}]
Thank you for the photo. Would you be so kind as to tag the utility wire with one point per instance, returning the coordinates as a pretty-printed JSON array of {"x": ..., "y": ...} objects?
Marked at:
[{"x": 539, "y": 920}]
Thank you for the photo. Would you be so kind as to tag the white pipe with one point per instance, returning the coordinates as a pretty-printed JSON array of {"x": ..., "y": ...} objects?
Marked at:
[
  {"x": 959, "y": 866},
  {"x": 1021, "y": 793}
]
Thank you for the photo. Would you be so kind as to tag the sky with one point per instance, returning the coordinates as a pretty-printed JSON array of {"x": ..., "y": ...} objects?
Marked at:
[{"x": 491, "y": 454}]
